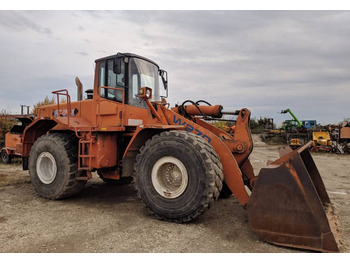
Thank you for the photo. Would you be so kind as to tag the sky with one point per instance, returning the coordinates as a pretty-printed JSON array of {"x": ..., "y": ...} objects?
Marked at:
[{"x": 266, "y": 61}]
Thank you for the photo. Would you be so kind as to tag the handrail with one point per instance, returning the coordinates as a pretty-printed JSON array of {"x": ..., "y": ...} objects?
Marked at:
[
  {"x": 63, "y": 92},
  {"x": 99, "y": 99}
]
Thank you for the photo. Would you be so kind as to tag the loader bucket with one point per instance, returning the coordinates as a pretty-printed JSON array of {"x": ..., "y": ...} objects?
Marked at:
[{"x": 288, "y": 204}]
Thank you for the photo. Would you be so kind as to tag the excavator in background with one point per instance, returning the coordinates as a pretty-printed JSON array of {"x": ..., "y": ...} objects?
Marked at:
[
  {"x": 179, "y": 162},
  {"x": 294, "y": 125},
  {"x": 296, "y": 131},
  {"x": 297, "y": 125}
]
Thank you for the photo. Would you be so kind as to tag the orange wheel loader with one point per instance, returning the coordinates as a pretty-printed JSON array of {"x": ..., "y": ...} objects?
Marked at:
[
  {"x": 179, "y": 162},
  {"x": 13, "y": 139}
]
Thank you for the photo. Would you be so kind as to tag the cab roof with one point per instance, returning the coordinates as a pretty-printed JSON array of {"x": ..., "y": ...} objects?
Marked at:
[{"x": 128, "y": 55}]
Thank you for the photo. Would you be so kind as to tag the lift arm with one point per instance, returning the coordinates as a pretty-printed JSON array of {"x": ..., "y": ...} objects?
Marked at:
[{"x": 294, "y": 117}]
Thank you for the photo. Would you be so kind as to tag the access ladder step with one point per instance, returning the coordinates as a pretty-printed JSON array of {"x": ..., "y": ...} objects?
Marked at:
[{"x": 85, "y": 145}]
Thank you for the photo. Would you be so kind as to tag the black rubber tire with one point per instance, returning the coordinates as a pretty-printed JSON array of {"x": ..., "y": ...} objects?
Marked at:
[
  {"x": 204, "y": 171},
  {"x": 5, "y": 158},
  {"x": 64, "y": 149},
  {"x": 120, "y": 182}
]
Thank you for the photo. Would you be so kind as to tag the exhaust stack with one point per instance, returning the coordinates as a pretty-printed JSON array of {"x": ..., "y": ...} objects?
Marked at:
[{"x": 79, "y": 89}]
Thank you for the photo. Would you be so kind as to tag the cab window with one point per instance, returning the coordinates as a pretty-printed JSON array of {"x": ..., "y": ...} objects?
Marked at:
[
  {"x": 142, "y": 73},
  {"x": 102, "y": 74},
  {"x": 108, "y": 78}
]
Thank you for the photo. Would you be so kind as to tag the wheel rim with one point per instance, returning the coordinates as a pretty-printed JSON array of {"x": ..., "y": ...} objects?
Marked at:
[
  {"x": 169, "y": 177},
  {"x": 46, "y": 167}
]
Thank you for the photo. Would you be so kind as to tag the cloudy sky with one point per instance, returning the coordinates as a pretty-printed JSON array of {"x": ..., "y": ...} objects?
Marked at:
[{"x": 263, "y": 60}]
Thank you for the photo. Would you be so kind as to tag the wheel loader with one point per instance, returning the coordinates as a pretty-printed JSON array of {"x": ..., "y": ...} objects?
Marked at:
[
  {"x": 13, "y": 139},
  {"x": 179, "y": 162}
]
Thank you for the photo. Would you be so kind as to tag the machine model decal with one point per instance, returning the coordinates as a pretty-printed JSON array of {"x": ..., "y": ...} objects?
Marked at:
[{"x": 190, "y": 128}]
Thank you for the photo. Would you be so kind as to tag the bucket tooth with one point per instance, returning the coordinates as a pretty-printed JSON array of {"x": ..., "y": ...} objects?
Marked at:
[{"x": 287, "y": 204}]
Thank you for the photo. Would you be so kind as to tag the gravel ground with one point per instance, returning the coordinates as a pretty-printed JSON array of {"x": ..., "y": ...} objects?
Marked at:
[{"x": 106, "y": 218}]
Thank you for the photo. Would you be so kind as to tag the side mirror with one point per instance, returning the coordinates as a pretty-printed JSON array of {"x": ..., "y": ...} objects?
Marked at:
[{"x": 164, "y": 75}]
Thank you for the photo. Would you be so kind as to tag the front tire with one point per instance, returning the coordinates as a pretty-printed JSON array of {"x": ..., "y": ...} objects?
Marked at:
[
  {"x": 5, "y": 158},
  {"x": 178, "y": 175},
  {"x": 53, "y": 166}
]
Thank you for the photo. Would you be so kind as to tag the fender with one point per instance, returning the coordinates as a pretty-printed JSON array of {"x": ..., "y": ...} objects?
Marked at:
[
  {"x": 141, "y": 135},
  {"x": 34, "y": 131}
]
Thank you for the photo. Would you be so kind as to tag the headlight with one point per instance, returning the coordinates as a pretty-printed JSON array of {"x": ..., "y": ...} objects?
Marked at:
[
  {"x": 145, "y": 92},
  {"x": 148, "y": 93}
]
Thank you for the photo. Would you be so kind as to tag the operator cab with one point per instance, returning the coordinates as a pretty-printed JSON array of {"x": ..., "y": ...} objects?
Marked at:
[{"x": 126, "y": 73}]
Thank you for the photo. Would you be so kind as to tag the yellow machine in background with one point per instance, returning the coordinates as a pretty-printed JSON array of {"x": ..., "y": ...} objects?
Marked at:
[
  {"x": 294, "y": 143},
  {"x": 321, "y": 141}
]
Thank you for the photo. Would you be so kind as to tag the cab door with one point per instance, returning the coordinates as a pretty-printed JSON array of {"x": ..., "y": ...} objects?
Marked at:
[{"x": 112, "y": 91}]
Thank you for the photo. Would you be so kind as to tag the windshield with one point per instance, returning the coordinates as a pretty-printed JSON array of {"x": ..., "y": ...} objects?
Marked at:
[{"x": 142, "y": 73}]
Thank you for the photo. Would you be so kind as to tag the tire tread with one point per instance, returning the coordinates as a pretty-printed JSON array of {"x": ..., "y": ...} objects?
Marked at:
[
  {"x": 71, "y": 186},
  {"x": 211, "y": 160}
]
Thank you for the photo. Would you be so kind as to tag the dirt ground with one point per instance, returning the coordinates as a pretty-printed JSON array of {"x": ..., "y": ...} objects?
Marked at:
[{"x": 106, "y": 218}]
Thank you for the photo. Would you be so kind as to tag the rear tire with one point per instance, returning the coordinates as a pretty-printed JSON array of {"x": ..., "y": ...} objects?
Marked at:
[
  {"x": 178, "y": 175},
  {"x": 5, "y": 158},
  {"x": 53, "y": 166}
]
